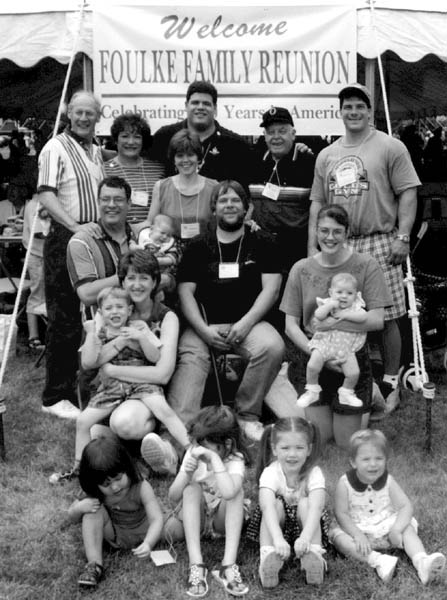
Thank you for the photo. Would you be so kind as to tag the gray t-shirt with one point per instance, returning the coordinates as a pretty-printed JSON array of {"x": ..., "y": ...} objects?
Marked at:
[{"x": 366, "y": 180}]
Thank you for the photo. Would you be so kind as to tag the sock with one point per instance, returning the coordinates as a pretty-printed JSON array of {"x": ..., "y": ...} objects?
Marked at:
[
  {"x": 417, "y": 558},
  {"x": 393, "y": 380},
  {"x": 313, "y": 387},
  {"x": 372, "y": 558},
  {"x": 264, "y": 550}
]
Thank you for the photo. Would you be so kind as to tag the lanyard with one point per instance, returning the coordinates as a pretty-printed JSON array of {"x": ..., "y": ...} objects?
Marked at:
[
  {"x": 238, "y": 252},
  {"x": 143, "y": 172},
  {"x": 275, "y": 172}
]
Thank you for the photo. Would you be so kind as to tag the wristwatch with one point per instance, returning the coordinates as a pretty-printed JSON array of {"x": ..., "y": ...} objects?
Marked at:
[{"x": 403, "y": 237}]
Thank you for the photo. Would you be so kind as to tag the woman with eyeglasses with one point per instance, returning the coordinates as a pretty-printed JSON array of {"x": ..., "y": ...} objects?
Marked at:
[{"x": 308, "y": 279}]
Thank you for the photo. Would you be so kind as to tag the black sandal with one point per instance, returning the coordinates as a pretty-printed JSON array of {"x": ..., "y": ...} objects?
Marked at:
[
  {"x": 35, "y": 344},
  {"x": 235, "y": 586}
]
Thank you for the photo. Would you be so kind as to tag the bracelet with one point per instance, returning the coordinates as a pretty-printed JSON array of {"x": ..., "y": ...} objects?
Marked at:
[{"x": 222, "y": 471}]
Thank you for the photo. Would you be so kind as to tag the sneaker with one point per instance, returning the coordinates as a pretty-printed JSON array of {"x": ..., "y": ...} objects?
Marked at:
[
  {"x": 309, "y": 397},
  {"x": 385, "y": 567},
  {"x": 63, "y": 477},
  {"x": 269, "y": 568},
  {"x": 159, "y": 454},
  {"x": 430, "y": 567},
  {"x": 391, "y": 396},
  {"x": 91, "y": 575},
  {"x": 314, "y": 566},
  {"x": 378, "y": 405},
  {"x": 347, "y": 397},
  {"x": 253, "y": 430},
  {"x": 63, "y": 409}
]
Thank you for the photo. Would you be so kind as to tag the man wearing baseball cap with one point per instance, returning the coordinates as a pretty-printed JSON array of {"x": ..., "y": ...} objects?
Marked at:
[
  {"x": 280, "y": 186},
  {"x": 371, "y": 175}
]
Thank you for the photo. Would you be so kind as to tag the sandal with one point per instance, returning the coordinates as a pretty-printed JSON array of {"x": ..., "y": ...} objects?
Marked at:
[
  {"x": 197, "y": 586},
  {"x": 35, "y": 344},
  {"x": 235, "y": 585}
]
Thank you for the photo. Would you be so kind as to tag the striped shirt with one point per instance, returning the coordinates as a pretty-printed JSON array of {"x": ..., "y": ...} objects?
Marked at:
[
  {"x": 141, "y": 179},
  {"x": 73, "y": 173}
]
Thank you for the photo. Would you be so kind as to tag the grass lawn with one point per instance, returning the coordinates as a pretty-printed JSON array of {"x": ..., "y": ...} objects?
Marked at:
[{"x": 41, "y": 553}]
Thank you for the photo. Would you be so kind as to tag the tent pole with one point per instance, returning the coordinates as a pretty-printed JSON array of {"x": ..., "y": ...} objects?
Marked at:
[
  {"x": 370, "y": 82},
  {"x": 87, "y": 73}
]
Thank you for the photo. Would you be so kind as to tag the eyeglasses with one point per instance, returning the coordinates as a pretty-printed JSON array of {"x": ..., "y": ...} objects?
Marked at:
[
  {"x": 113, "y": 200},
  {"x": 338, "y": 234}
]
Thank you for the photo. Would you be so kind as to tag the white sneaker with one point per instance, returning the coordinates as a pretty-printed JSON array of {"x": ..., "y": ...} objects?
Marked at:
[
  {"x": 430, "y": 567},
  {"x": 385, "y": 567},
  {"x": 347, "y": 397},
  {"x": 63, "y": 409},
  {"x": 253, "y": 429},
  {"x": 309, "y": 397},
  {"x": 314, "y": 566},
  {"x": 269, "y": 568},
  {"x": 159, "y": 454}
]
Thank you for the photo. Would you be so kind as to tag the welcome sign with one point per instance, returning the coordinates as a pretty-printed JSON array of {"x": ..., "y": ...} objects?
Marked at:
[{"x": 298, "y": 57}]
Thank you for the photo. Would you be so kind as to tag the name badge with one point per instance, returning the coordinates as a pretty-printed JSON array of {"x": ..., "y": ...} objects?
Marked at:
[
  {"x": 346, "y": 177},
  {"x": 189, "y": 230},
  {"x": 140, "y": 198},
  {"x": 228, "y": 270},
  {"x": 271, "y": 191}
]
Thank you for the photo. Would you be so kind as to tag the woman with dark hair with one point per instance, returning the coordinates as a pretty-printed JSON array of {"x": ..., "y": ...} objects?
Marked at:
[
  {"x": 132, "y": 136},
  {"x": 308, "y": 279},
  {"x": 185, "y": 197},
  {"x": 139, "y": 275}
]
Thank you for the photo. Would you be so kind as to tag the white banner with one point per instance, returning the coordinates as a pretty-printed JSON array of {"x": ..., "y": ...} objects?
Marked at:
[{"x": 298, "y": 57}]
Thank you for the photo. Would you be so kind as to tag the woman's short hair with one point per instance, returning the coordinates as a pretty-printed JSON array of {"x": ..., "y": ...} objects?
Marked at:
[
  {"x": 184, "y": 142},
  {"x": 336, "y": 212},
  {"x": 141, "y": 261},
  {"x": 223, "y": 187},
  {"x": 134, "y": 123}
]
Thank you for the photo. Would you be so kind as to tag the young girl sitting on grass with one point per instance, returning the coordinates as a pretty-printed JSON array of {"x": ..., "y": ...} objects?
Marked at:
[
  {"x": 374, "y": 514},
  {"x": 208, "y": 492},
  {"x": 291, "y": 501},
  {"x": 120, "y": 507},
  {"x": 120, "y": 342}
]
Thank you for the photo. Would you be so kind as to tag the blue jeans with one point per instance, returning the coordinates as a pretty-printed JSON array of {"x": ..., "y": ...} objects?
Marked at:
[{"x": 264, "y": 349}]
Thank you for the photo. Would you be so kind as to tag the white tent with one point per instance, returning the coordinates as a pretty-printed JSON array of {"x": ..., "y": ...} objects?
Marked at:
[{"x": 31, "y": 30}]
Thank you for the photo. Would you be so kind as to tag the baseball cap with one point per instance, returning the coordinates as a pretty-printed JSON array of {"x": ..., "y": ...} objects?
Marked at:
[
  {"x": 356, "y": 89},
  {"x": 276, "y": 114}
]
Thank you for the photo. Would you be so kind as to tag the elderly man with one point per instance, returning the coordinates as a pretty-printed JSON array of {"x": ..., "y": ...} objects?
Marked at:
[
  {"x": 372, "y": 176},
  {"x": 70, "y": 169},
  {"x": 225, "y": 153},
  {"x": 93, "y": 259},
  {"x": 280, "y": 185}
]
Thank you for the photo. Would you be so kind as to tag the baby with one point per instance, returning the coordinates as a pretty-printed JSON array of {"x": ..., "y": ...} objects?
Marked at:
[
  {"x": 160, "y": 240},
  {"x": 345, "y": 303}
]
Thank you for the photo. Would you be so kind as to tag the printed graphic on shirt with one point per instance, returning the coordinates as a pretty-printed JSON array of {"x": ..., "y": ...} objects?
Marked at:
[{"x": 348, "y": 178}]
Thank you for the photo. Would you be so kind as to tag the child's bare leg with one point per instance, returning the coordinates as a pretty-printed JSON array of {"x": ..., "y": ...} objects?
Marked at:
[
  {"x": 303, "y": 511},
  {"x": 351, "y": 371},
  {"x": 346, "y": 545},
  {"x": 157, "y": 404},
  {"x": 95, "y": 527},
  {"x": 86, "y": 420},
  {"x": 265, "y": 537},
  {"x": 192, "y": 506},
  {"x": 270, "y": 562},
  {"x": 412, "y": 542},
  {"x": 314, "y": 367},
  {"x": 229, "y": 519}
]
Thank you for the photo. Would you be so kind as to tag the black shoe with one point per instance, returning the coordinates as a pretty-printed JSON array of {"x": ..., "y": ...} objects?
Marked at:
[{"x": 91, "y": 575}]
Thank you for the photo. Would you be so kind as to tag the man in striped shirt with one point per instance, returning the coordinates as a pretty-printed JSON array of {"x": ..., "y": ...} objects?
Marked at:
[{"x": 70, "y": 169}]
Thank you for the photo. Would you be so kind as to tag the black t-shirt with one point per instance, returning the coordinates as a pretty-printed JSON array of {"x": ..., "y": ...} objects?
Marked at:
[
  {"x": 226, "y": 154},
  {"x": 227, "y": 300}
]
